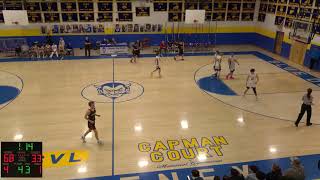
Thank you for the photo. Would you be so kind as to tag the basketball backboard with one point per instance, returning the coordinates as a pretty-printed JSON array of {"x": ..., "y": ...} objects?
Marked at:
[
  {"x": 15, "y": 17},
  {"x": 195, "y": 16},
  {"x": 301, "y": 31}
]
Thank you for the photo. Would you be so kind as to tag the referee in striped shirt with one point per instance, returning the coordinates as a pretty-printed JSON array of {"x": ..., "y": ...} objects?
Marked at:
[{"x": 306, "y": 106}]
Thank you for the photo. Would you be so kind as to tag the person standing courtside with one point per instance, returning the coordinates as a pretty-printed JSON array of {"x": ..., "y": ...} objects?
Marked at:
[
  {"x": 87, "y": 47},
  {"x": 306, "y": 106}
]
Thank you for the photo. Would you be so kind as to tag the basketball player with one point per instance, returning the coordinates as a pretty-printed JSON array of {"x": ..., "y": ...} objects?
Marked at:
[
  {"x": 252, "y": 81},
  {"x": 232, "y": 66},
  {"x": 47, "y": 50},
  {"x": 157, "y": 64},
  {"x": 135, "y": 53},
  {"x": 217, "y": 64},
  {"x": 61, "y": 47},
  {"x": 54, "y": 50},
  {"x": 33, "y": 51},
  {"x": 180, "y": 51},
  {"x": 90, "y": 116},
  {"x": 42, "y": 51}
]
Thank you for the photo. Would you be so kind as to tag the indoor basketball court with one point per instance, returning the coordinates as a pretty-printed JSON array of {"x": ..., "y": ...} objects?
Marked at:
[{"x": 163, "y": 108}]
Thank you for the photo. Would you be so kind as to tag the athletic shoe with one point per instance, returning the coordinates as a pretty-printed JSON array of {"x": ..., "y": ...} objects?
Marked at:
[
  {"x": 296, "y": 124},
  {"x": 83, "y": 139},
  {"x": 99, "y": 142},
  {"x": 231, "y": 77},
  {"x": 309, "y": 124}
]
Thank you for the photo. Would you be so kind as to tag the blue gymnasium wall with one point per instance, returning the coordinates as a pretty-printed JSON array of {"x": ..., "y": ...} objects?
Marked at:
[
  {"x": 221, "y": 39},
  {"x": 77, "y": 41},
  {"x": 313, "y": 52}
]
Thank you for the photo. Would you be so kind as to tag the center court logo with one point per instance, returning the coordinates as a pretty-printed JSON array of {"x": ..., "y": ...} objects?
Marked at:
[{"x": 106, "y": 91}]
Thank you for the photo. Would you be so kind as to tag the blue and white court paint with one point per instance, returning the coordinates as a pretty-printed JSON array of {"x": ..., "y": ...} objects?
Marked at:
[
  {"x": 311, "y": 166},
  {"x": 272, "y": 103},
  {"x": 11, "y": 86}
]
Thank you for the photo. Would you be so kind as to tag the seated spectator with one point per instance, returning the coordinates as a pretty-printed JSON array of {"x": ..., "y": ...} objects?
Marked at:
[
  {"x": 296, "y": 172},
  {"x": 34, "y": 51},
  {"x": 235, "y": 175},
  {"x": 225, "y": 177},
  {"x": 253, "y": 172},
  {"x": 196, "y": 175},
  {"x": 275, "y": 174},
  {"x": 105, "y": 41},
  {"x": 25, "y": 49},
  {"x": 216, "y": 178},
  {"x": 113, "y": 41},
  {"x": 54, "y": 50},
  {"x": 47, "y": 50},
  {"x": 41, "y": 51},
  {"x": 69, "y": 49}
]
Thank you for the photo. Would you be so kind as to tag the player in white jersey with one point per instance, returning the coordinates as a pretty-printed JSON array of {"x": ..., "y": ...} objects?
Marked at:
[
  {"x": 217, "y": 64},
  {"x": 54, "y": 50},
  {"x": 252, "y": 81},
  {"x": 157, "y": 61},
  {"x": 232, "y": 66}
]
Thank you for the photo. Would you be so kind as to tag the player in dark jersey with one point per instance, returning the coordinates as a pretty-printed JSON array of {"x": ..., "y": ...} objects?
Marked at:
[
  {"x": 135, "y": 53},
  {"x": 180, "y": 51},
  {"x": 157, "y": 63},
  {"x": 90, "y": 116}
]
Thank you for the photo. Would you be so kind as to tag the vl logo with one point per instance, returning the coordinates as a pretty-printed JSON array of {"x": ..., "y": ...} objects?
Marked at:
[{"x": 106, "y": 91}]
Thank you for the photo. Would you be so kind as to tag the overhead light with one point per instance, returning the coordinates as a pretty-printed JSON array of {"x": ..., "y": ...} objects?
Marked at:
[
  {"x": 184, "y": 124},
  {"x": 240, "y": 120},
  {"x": 202, "y": 157},
  {"x": 18, "y": 137},
  {"x": 143, "y": 163},
  {"x": 138, "y": 128},
  {"x": 82, "y": 169},
  {"x": 273, "y": 149}
]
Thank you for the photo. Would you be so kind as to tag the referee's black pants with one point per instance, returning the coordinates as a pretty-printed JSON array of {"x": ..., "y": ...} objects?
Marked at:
[
  {"x": 305, "y": 108},
  {"x": 87, "y": 50}
]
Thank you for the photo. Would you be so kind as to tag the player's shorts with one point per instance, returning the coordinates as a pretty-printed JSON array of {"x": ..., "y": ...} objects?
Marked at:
[
  {"x": 217, "y": 68},
  {"x": 91, "y": 126},
  {"x": 251, "y": 85}
]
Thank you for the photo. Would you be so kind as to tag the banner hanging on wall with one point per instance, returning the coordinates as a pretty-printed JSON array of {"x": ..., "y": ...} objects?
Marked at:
[
  {"x": 73, "y": 29},
  {"x": 142, "y": 11},
  {"x": 138, "y": 28}
]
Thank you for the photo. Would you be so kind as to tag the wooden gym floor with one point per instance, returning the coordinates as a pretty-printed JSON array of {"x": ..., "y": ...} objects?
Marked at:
[{"x": 156, "y": 113}]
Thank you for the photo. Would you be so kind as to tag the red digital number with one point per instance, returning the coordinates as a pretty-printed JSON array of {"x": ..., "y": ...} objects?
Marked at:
[
  {"x": 36, "y": 158},
  {"x": 6, "y": 169},
  {"x": 8, "y": 158}
]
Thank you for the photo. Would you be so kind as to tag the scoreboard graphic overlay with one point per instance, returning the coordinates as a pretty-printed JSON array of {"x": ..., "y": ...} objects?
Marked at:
[{"x": 21, "y": 159}]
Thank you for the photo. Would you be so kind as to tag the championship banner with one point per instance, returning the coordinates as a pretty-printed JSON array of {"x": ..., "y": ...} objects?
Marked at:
[{"x": 142, "y": 11}]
